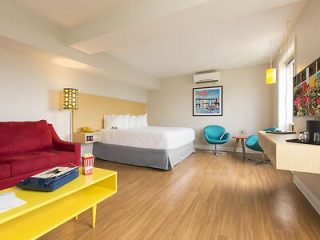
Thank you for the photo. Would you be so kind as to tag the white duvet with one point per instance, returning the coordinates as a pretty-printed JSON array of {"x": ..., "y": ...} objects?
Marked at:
[{"x": 150, "y": 137}]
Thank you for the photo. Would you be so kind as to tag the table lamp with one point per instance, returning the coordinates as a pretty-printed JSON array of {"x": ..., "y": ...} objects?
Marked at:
[{"x": 70, "y": 102}]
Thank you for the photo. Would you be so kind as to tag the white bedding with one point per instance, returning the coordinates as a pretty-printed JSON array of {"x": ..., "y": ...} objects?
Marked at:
[{"x": 150, "y": 137}]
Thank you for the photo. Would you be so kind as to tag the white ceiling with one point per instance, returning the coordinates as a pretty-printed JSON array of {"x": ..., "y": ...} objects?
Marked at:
[
  {"x": 168, "y": 38},
  {"x": 70, "y": 13},
  {"x": 176, "y": 47}
]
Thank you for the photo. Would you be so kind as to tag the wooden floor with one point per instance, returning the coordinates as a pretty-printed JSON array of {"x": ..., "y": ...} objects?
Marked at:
[{"x": 204, "y": 197}]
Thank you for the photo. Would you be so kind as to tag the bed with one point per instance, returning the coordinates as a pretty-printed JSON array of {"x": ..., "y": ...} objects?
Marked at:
[{"x": 155, "y": 147}]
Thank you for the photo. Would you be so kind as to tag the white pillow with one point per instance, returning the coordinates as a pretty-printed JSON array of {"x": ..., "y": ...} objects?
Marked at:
[
  {"x": 125, "y": 121},
  {"x": 138, "y": 121},
  {"x": 106, "y": 121},
  {"x": 116, "y": 121},
  {"x": 132, "y": 123},
  {"x": 141, "y": 121},
  {"x": 145, "y": 121}
]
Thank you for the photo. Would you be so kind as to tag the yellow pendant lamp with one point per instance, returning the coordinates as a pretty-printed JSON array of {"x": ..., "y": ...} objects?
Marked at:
[
  {"x": 271, "y": 76},
  {"x": 271, "y": 73}
]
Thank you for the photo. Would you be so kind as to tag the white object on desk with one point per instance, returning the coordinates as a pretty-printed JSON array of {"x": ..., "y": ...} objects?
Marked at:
[{"x": 9, "y": 200}]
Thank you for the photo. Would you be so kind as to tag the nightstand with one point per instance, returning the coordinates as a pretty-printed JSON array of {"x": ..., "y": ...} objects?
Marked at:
[{"x": 86, "y": 140}]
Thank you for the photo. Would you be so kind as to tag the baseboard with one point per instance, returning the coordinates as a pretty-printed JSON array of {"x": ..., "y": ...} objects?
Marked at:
[
  {"x": 221, "y": 148},
  {"x": 314, "y": 201}
]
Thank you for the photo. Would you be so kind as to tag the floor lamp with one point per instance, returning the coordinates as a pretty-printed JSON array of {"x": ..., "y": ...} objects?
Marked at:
[{"x": 70, "y": 102}]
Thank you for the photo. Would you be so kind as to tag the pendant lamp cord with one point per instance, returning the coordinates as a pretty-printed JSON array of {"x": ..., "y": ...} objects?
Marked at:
[{"x": 270, "y": 54}]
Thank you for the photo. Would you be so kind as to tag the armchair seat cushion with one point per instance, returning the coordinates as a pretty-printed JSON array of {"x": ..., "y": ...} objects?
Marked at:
[
  {"x": 4, "y": 171},
  {"x": 32, "y": 161},
  {"x": 218, "y": 141}
]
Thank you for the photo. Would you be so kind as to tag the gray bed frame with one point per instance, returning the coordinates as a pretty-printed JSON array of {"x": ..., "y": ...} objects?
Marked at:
[{"x": 154, "y": 158}]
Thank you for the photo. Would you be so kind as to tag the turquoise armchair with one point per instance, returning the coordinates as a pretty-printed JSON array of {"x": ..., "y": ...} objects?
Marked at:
[
  {"x": 252, "y": 143},
  {"x": 215, "y": 134}
]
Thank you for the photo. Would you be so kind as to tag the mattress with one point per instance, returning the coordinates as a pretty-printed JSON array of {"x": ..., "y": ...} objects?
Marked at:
[{"x": 150, "y": 137}]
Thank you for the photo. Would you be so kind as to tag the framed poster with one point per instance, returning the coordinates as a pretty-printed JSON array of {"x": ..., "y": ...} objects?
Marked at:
[{"x": 208, "y": 101}]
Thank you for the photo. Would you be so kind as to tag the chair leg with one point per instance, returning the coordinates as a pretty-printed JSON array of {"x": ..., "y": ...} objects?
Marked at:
[
  {"x": 262, "y": 161},
  {"x": 216, "y": 152}
]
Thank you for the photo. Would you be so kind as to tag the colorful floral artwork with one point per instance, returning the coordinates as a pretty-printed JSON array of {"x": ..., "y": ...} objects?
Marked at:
[
  {"x": 207, "y": 101},
  {"x": 307, "y": 94}
]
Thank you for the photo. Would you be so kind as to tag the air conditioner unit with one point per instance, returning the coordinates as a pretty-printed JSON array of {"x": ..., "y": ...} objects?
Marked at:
[{"x": 206, "y": 77}]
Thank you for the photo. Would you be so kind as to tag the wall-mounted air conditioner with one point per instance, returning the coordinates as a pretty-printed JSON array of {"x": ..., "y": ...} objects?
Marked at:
[{"x": 206, "y": 77}]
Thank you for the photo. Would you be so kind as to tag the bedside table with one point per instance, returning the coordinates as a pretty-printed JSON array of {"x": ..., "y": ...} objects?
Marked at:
[{"x": 86, "y": 140}]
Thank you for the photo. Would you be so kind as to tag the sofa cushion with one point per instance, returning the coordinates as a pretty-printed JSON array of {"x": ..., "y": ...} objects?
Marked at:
[
  {"x": 33, "y": 161},
  {"x": 19, "y": 137},
  {"x": 4, "y": 171}
]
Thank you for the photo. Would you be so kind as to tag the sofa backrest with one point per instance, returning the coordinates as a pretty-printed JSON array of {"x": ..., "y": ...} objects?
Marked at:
[{"x": 19, "y": 137}]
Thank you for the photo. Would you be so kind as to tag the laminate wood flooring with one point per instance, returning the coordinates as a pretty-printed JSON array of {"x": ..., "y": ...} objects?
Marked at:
[{"x": 204, "y": 197}]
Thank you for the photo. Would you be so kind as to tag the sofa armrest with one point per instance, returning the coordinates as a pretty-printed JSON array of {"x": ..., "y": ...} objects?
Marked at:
[{"x": 61, "y": 145}]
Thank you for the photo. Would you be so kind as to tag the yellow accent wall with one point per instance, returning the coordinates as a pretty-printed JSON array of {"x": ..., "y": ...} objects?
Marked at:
[{"x": 92, "y": 108}]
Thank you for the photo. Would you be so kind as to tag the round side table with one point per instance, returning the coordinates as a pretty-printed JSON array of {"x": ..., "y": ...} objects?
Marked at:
[{"x": 241, "y": 139}]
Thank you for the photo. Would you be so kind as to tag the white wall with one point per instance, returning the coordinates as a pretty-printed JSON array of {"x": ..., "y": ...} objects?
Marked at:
[
  {"x": 307, "y": 50},
  {"x": 246, "y": 103},
  {"x": 29, "y": 86}
]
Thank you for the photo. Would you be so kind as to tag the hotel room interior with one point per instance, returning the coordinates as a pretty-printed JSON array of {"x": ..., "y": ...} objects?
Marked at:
[{"x": 172, "y": 119}]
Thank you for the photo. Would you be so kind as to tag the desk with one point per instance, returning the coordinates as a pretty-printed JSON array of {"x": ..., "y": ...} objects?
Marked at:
[
  {"x": 241, "y": 139},
  {"x": 290, "y": 156}
]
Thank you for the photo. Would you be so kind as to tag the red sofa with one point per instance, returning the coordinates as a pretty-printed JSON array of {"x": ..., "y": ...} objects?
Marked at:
[{"x": 27, "y": 148}]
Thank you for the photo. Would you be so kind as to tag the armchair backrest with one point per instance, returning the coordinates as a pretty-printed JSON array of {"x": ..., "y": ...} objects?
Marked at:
[
  {"x": 271, "y": 129},
  {"x": 214, "y": 131},
  {"x": 19, "y": 137}
]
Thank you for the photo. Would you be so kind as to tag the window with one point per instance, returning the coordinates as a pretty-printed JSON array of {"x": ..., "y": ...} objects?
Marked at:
[{"x": 285, "y": 89}]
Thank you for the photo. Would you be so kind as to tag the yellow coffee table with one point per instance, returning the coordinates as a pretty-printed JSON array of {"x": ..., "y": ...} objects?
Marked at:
[{"x": 45, "y": 211}]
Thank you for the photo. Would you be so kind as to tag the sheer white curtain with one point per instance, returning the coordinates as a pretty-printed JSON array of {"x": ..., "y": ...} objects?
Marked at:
[{"x": 285, "y": 89}]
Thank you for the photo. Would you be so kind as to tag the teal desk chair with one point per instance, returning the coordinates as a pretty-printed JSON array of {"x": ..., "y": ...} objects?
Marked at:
[
  {"x": 215, "y": 134},
  {"x": 252, "y": 143}
]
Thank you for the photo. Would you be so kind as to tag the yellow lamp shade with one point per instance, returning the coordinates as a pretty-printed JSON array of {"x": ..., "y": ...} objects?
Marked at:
[
  {"x": 271, "y": 76},
  {"x": 70, "y": 98}
]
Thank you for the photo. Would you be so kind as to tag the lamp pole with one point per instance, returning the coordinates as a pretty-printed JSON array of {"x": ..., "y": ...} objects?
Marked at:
[
  {"x": 70, "y": 102},
  {"x": 71, "y": 124}
]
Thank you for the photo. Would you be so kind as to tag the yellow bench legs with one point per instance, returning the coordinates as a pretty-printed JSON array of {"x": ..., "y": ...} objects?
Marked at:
[{"x": 94, "y": 215}]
